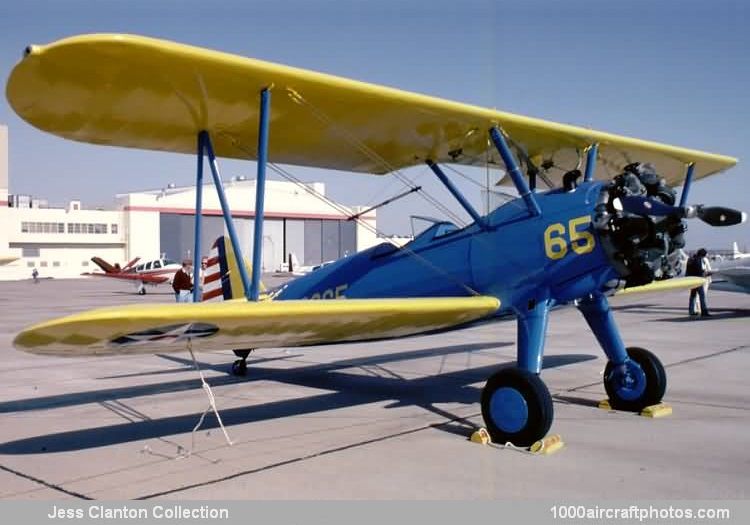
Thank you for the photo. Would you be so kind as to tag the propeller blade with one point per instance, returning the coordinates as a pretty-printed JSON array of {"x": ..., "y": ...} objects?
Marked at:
[
  {"x": 642, "y": 205},
  {"x": 712, "y": 215},
  {"x": 720, "y": 216}
]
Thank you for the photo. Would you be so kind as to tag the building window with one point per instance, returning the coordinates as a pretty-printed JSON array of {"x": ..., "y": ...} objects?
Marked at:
[
  {"x": 113, "y": 228},
  {"x": 85, "y": 263},
  {"x": 43, "y": 264},
  {"x": 87, "y": 227},
  {"x": 29, "y": 252},
  {"x": 56, "y": 263},
  {"x": 30, "y": 264},
  {"x": 42, "y": 227}
]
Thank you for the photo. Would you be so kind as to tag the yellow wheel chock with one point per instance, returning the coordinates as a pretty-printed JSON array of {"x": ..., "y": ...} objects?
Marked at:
[{"x": 545, "y": 446}]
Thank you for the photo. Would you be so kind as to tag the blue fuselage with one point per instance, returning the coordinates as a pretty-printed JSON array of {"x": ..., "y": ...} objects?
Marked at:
[{"x": 516, "y": 257}]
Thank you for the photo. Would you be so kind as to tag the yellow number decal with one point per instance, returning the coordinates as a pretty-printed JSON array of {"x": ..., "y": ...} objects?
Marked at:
[
  {"x": 581, "y": 241},
  {"x": 555, "y": 247}
]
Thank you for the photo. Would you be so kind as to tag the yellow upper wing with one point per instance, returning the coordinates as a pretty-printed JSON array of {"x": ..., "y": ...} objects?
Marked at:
[
  {"x": 140, "y": 92},
  {"x": 242, "y": 324}
]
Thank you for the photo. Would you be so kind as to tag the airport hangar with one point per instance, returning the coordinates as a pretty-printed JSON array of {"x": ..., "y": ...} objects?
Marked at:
[{"x": 60, "y": 242}]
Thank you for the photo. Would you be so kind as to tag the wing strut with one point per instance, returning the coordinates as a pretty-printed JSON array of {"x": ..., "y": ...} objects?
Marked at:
[
  {"x": 457, "y": 194},
  {"x": 688, "y": 183},
  {"x": 591, "y": 155},
  {"x": 515, "y": 172},
  {"x": 198, "y": 219},
  {"x": 205, "y": 147},
  {"x": 260, "y": 191}
]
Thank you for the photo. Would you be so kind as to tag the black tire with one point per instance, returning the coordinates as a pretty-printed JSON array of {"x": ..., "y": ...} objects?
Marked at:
[
  {"x": 518, "y": 384},
  {"x": 656, "y": 382},
  {"x": 142, "y": 291}
]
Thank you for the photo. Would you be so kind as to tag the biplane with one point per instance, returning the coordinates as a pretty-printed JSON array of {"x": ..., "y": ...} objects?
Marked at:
[
  {"x": 158, "y": 271},
  {"x": 609, "y": 218}
]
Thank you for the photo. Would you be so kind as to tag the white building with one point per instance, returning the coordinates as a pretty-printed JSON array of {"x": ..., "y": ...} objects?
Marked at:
[{"x": 60, "y": 242}]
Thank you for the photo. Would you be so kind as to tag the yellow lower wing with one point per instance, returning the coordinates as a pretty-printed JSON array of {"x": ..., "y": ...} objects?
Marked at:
[
  {"x": 678, "y": 283},
  {"x": 241, "y": 324}
]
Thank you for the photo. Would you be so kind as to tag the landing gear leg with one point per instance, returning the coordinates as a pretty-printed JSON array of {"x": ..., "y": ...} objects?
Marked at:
[
  {"x": 516, "y": 404},
  {"x": 239, "y": 367},
  {"x": 141, "y": 289},
  {"x": 634, "y": 378}
]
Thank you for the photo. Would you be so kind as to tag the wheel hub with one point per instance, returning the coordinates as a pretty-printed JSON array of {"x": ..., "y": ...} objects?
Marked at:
[
  {"x": 509, "y": 409},
  {"x": 630, "y": 380}
]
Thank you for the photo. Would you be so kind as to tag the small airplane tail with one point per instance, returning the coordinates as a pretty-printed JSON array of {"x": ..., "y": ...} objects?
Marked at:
[
  {"x": 222, "y": 280},
  {"x": 293, "y": 262},
  {"x": 736, "y": 253},
  {"x": 104, "y": 265}
]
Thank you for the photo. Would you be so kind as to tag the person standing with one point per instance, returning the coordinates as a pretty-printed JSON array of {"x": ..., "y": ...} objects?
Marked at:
[
  {"x": 182, "y": 284},
  {"x": 202, "y": 280},
  {"x": 698, "y": 266}
]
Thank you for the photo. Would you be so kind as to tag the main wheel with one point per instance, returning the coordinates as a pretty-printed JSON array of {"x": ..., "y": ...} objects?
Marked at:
[
  {"x": 640, "y": 383},
  {"x": 516, "y": 407}
]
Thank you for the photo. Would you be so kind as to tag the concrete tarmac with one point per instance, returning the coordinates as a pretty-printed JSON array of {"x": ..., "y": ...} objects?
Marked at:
[{"x": 385, "y": 420}]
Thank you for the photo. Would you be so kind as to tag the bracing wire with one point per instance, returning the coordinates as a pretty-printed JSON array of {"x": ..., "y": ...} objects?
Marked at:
[{"x": 359, "y": 220}]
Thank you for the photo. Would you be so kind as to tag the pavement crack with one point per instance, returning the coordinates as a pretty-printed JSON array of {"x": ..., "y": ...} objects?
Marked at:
[
  {"x": 298, "y": 459},
  {"x": 707, "y": 356},
  {"x": 45, "y": 483},
  {"x": 676, "y": 363}
]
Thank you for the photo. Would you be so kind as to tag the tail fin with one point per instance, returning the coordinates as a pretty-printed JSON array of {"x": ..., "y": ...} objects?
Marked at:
[
  {"x": 293, "y": 262},
  {"x": 222, "y": 279},
  {"x": 735, "y": 250},
  {"x": 104, "y": 265}
]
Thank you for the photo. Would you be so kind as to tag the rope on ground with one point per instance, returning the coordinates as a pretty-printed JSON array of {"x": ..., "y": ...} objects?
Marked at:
[{"x": 211, "y": 404}]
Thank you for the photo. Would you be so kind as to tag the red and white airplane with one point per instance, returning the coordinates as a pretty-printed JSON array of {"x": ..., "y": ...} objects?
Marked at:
[{"x": 154, "y": 272}]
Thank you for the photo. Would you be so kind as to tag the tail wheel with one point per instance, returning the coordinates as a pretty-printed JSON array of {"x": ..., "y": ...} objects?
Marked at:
[
  {"x": 638, "y": 383},
  {"x": 516, "y": 407},
  {"x": 239, "y": 367}
]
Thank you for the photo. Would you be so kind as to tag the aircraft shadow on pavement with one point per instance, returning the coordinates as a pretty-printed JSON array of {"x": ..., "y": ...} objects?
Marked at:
[
  {"x": 682, "y": 312},
  {"x": 717, "y": 314},
  {"x": 346, "y": 390}
]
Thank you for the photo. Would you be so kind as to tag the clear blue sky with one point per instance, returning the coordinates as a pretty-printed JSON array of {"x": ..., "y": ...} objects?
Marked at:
[{"x": 672, "y": 71}]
